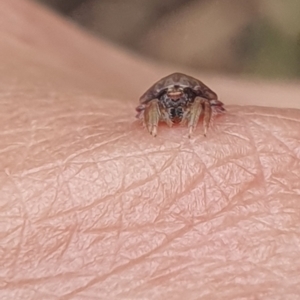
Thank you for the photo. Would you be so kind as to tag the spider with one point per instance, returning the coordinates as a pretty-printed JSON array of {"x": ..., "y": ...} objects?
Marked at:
[{"x": 178, "y": 98}]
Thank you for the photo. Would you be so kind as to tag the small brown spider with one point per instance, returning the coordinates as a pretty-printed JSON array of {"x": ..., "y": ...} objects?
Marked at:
[{"x": 177, "y": 98}]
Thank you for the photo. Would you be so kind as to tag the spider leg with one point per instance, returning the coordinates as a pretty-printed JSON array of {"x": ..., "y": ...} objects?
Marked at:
[
  {"x": 185, "y": 116},
  {"x": 152, "y": 116},
  {"x": 207, "y": 115},
  {"x": 192, "y": 115}
]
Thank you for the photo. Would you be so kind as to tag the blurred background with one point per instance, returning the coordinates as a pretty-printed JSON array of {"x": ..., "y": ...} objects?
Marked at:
[{"x": 258, "y": 38}]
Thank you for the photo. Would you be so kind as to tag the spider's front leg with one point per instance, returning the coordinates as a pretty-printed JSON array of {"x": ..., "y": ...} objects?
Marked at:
[
  {"x": 154, "y": 113},
  {"x": 200, "y": 105},
  {"x": 207, "y": 115},
  {"x": 152, "y": 116}
]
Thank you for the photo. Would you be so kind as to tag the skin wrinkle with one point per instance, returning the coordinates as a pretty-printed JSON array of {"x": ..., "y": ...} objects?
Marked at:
[
  {"x": 92, "y": 206},
  {"x": 280, "y": 142},
  {"x": 119, "y": 268},
  {"x": 215, "y": 182}
]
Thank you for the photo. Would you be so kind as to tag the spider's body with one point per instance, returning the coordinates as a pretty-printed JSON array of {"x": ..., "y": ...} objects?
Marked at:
[{"x": 177, "y": 98}]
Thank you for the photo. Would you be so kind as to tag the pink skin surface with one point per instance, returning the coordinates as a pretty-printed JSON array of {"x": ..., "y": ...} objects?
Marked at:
[{"x": 93, "y": 207}]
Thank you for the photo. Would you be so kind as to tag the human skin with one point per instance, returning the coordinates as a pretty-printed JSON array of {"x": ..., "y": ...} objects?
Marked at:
[{"x": 93, "y": 207}]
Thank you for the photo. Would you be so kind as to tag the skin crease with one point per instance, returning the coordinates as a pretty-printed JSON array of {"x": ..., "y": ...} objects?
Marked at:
[{"x": 93, "y": 207}]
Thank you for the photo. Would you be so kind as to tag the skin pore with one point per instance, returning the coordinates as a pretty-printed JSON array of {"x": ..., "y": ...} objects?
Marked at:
[{"x": 93, "y": 207}]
